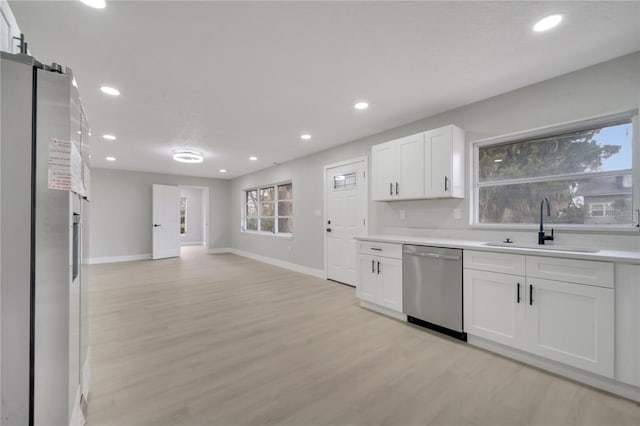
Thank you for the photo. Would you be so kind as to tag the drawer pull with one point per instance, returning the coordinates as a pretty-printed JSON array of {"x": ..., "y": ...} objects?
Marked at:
[{"x": 376, "y": 249}]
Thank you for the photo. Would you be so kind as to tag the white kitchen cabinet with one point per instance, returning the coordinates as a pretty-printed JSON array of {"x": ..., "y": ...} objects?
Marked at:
[
  {"x": 571, "y": 323},
  {"x": 369, "y": 286},
  {"x": 568, "y": 322},
  {"x": 398, "y": 169},
  {"x": 494, "y": 306},
  {"x": 444, "y": 162},
  {"x": 381, "y": 275}
]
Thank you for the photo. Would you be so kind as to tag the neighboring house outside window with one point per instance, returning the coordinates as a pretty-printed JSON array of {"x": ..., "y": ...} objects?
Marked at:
[
  {"x": 586, "y": 173},
  {"x": 268, "y": 209}
]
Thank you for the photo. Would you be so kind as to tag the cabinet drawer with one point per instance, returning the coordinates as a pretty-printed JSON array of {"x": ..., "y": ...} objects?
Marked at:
[
  {"x": 513, "y": 264},
  {"x": 380, "y": 249},
  {"x": 589, "y": 272}
]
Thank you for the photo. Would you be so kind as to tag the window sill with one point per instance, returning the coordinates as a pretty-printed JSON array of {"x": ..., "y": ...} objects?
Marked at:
[
  {"x": 578, "y": 229},
  {"x": 268, "y": 234}
]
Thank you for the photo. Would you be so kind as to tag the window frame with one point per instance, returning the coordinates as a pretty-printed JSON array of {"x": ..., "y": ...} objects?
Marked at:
[
  {"x": 276, "y": 216},
  {"x": 186, "y": 201},
  {"x": 547, "y": 131}
]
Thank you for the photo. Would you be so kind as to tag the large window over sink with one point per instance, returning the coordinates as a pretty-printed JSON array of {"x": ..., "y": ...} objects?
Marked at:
[
  {"x": 268, "y": 209},
  {"x": 585, "y": 169}
]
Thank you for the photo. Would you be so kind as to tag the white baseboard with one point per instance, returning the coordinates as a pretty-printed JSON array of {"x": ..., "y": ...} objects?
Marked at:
[
  {"x": 113, "y": 259},
  {"x": 220, "y": 250},
  {"x": 318, "y": 273},
  {"x": 600, "y": 382},
  {"x": 191, "y": 243},
  {"x": 384, "y": 311}
]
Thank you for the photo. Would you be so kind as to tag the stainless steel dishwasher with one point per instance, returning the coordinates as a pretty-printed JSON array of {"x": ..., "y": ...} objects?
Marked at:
[{"x": 432, "y": 288}]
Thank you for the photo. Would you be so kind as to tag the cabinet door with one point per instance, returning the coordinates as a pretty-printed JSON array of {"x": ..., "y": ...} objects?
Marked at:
[
  {"x": 391, "y": 283},
  {"x": 384, "y": 163},
  {"x": 438, "y": 154},
  {"x": 410, "y": 182},
  {"x": 571, "y": 323},
  {"x": 494, "y": 307},
  {"x": 369, "y": 286}
]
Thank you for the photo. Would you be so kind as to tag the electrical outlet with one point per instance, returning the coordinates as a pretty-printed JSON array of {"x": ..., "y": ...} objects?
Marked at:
[
  {"x": 457, "y": 213},
  {"x": 318, "y": 213}
]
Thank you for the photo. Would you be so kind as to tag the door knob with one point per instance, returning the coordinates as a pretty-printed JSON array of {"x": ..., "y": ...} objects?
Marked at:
[
  {"x": 155, "y": 225},
  {"x": 328, "y": 229}
]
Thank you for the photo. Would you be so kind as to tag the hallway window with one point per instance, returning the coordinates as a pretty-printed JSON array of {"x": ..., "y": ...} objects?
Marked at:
[
  {"x": 268, "y": 209},
  {"x": 183, "y": 215}
]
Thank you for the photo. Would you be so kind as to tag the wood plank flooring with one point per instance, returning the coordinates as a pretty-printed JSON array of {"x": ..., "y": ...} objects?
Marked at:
[{"x": 224, "y": 340}]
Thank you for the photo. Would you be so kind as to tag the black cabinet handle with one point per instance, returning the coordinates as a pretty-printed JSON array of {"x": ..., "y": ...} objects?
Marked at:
[
  {"x": 446, "y": 181},
  {"x": 397, "y": 188},
  {"x": 518, "y": 293},
  {"x": 378, "y": 267},
  {"x": 390, "y": 188},
  {"x": 373, "y": 266},
  {"x": 530, "y": 294},
  {"x": 376, "y": 249}
]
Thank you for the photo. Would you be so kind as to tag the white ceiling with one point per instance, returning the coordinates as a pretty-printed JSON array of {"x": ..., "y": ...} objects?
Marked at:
[{"x": 239, "y": 79}]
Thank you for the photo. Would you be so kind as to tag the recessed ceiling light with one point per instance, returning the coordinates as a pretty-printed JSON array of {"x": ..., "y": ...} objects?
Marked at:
[
  {"x": 110, "y": 91},
  {"x": 188, "y": 156},
  {"x": 96, "y": 4},
  {"x": 110, "y": 158},
  {"x": 361, "y": 105},
  {"x": 109, "y": 137},
  {"x": 305, "y": 137},
  {"x": 547, "y": 23},
  {"x": 253, "y": 158},
  {"x": 222, "y": 171}
]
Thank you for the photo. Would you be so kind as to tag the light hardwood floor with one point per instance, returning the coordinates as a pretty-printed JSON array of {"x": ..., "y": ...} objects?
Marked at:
[{"x": 224, "y": 340}]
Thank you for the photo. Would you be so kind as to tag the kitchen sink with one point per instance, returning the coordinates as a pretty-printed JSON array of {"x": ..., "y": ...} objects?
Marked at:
[{"x": 543, "y": 247}]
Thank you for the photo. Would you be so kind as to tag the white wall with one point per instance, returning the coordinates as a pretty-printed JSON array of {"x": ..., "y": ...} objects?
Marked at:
[
  {"x": 121, "y": 211},
  {"x": 598, "y": 90},
  {"x": 194, "y": 219}
]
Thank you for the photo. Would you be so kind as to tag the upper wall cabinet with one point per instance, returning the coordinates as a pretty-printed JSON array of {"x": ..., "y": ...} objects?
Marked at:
[
  {"x": 444, "y": 162},
  {"x": 398, "y": 169},
  {"x": 424, "y": 165}
]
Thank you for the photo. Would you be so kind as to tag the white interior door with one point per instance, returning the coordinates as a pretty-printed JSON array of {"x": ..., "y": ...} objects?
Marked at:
[
  {"x": 346, "y": 212},
  {"x": 166, "y": 221}
]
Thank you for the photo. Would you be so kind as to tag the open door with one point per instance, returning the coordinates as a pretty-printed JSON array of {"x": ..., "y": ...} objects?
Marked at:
[{"x": 166, "y": 221}]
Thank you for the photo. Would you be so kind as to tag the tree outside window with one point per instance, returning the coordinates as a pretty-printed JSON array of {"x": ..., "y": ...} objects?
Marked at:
[{"x": 269, "y": 209}]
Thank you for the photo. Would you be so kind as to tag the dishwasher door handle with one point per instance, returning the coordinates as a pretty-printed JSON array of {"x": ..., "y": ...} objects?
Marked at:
[{"x": 434, "y": 255}]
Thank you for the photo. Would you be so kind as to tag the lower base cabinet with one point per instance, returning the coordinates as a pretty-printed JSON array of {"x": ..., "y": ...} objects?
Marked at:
[
  {"x": 380, "y": 275},
  {"x": 571, "y": 323}
]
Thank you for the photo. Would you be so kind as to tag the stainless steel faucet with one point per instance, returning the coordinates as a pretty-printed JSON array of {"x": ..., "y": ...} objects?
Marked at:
[{"x": 541, "y": 237}]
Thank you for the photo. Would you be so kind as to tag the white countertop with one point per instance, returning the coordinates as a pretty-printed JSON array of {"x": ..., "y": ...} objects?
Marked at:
[{"x": 602, "y": 255}]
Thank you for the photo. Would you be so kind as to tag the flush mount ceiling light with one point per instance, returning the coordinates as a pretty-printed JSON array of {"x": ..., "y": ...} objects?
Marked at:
[
  {"x": 253, "y": 158},
  {"x": 306, "y": 137},
  {"x": 547, "y": 23},
  {"x": 110, "y": 91},
  {"x": 188, "y": 156},
  {"x": 109, "y": 137},
  {"x": 96, "y": 4},
  {"x": 110, "y": 158},
  {"x": 361, "y": 105}
]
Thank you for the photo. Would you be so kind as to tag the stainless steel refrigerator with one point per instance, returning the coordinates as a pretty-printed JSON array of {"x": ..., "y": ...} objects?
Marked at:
[{"x": 44, "y": 279}]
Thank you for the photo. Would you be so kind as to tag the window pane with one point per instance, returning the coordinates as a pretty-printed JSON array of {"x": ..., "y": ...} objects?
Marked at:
[
  {"x": 601, "y": 149},
  {"x": 267, "y": 224},
  {"x": 267, "y": 194},
  {"x": 285, "y": 208},
  {"x": 183, "y": 215},
  {"x": 345, "y": 181},
  {"x": 252, "y": 209},
  {"x": 285, "y": 225},
  {"x": 601, "y": 200},
  {"x": 285, "y": 192},
  {"x": 252, "y": 224},
  {"x": 267, "y": 209}
]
